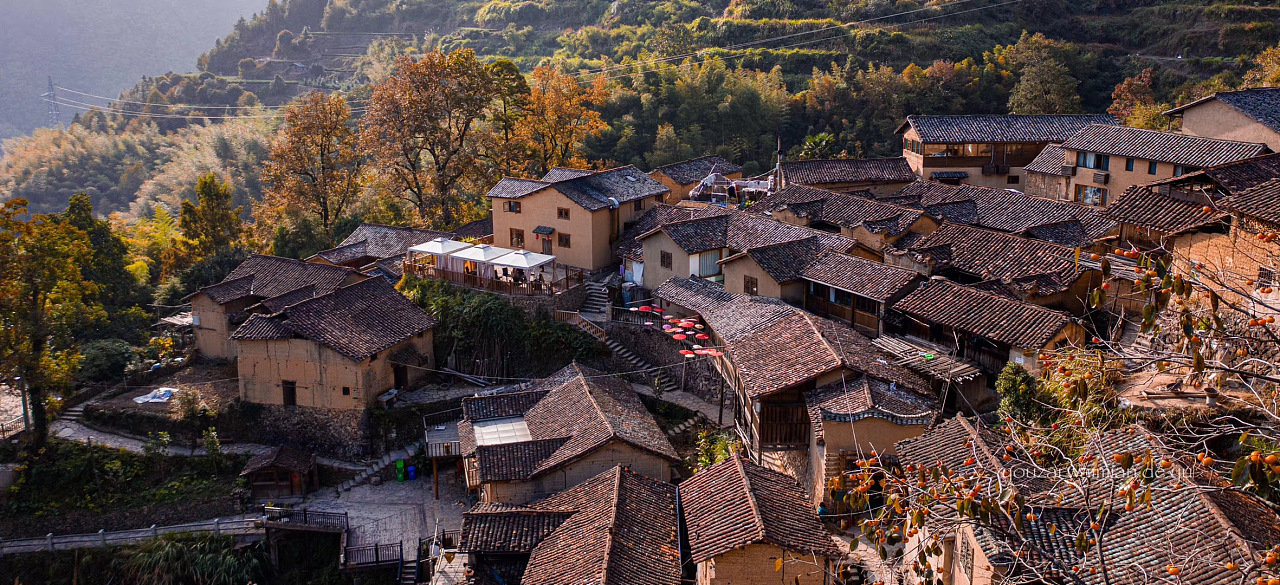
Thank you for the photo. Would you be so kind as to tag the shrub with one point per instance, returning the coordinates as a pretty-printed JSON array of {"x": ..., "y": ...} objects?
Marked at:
[{"x": 104, "y": 360}]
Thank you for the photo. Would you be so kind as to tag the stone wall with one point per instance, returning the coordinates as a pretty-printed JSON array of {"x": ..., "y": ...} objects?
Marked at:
[
  {"x": 650, "y": 344},
  {"x": 570, "y": 300}
]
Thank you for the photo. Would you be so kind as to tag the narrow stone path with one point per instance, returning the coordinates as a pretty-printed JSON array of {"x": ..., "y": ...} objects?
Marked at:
[{"x": 691, "y": 402}]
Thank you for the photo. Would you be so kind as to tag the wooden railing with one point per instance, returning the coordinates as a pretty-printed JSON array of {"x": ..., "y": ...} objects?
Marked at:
[
  {"x": 304, "y": 519},
  {"x": 13, "y": 426},
  {"x": 576, "y": 319},
  {"x": 373, "y": 555},
  {"x": 445, "y": 449},
  {"x": 102, "y": 538},
  {"x": 574, "y": 277}
]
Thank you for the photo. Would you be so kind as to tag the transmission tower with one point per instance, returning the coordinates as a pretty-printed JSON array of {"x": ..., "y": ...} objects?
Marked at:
[{"x": 55, "y": 115}]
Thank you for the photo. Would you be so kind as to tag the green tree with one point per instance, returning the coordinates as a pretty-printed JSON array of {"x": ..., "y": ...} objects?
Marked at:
[
  {"x": 43, "y": 297},
  {"x": 1020, "y": 394},
  {"x": 1046, "y": 87},
  {"x": 248, "y": 68},
  {"x": 117, "y": 292},
  {"x": 211, "y": 224}
]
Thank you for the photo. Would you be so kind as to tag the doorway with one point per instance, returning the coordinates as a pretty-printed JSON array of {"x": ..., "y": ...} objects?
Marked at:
[
  {"x": 401, "y": 376},
  {"x": 546, "y": 245},
  {"x": 289, "y": 391}
]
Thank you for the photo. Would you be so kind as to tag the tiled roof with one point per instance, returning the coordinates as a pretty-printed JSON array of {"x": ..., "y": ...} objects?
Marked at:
[
  {"x": 775, "y": 346},
  {"x": 356, "y": 321},
  {"x": 631, "y": 249},
  {"x": 840, "y": 209},
  {"x": 284, "y": 457},
  {"x": 268, "y": 276},
  {"x": 476, "y": 229},
  {"x": 278, "y": 303},
  {"x": 1262, "y": 104},
  {"x": 1001, "y": 128},
  {"x": 1160, "y": 146},
  {"x": 1261, "y": 202},
  {"x": 623, "y": 531},
  {"x": 1049, "y": 161},
  {"x": 783, "y": 262},
  {"x": 988, "y": 254},
  {"x": 507, "y": 404},
  {"x": 1007, "y": 211},
  {"x": 503, "y": 528},
  {"x": 736, "y": 503},
  {"x": 850, "y": 170},
  {"x": 1245, "y": 174},
  {"x": 259, "y": 327},
  {"x": 377, "y": 241},
  {"x": 995, "y": 317},
  {"x": 569, "y": 414},
  {"x": 1145, "y": 207},
  {"x": 866, "y": 397},
  {"x": 739, "y": 230},
  {"x": 593, "y": 190},
  {"x": 874, "y": 280},
  {"x": 696, "y": 169},
  {"x": 951, "y": 442}
]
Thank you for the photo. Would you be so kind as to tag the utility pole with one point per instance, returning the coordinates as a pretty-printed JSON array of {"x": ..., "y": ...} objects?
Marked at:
[{"x": 55, "y": 115}]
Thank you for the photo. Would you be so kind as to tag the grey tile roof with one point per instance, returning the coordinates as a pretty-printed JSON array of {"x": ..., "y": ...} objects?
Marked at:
[
  {"x": 851, "y": 170},
  {"x": 564, "y": 174},
  {"x": 874, "y": 280},
  {"x": 511, "y": 188},
  {"x": 630, "y": 248},
  {"x": 993, "y": 316},
  {"x": 593, "y": 190},
  {"x": 740, "y": 230},
  {"x": 1145, "y": 207},
  {"x": 867, "y": 397},
  {"x": 736, "y": 503},
  {"x": 845, "y": 210},
  {"x": 987, "y": 254},
  {"x": 1008, "y": 211},
  {"x": 1160, "y": 146},
  {"x": 1261, "y": 202},
  {"x": 694, "y": 170},
  {"x": 476, "y": 229},
  {"x": 1049, "y": 161},
  {"x": 376, "y": 241},
  {"x": 1262, "y": 104},
  {"x": 503, "y": 528},
  {"x": 356, "y": 321},
  {"x": 264, "y": 277},
  {"x": 507, "y": 404},
  {"x": 1001, "y": 128}
]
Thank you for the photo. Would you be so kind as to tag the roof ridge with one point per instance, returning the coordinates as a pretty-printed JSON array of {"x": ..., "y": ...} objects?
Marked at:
[
  {"x": 612, "y": 523},
  {"x": 1040, "y": 308},
  {"x": 981, "y": 444},
  {"x": 1177, "y": 135},
  {"x": 751, "y": 497}
]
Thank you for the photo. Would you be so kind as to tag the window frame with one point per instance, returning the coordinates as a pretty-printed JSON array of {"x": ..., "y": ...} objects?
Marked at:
[
  {"x": 664, "y": 259},
  {"x": 512, "y": 207},
  {"x": 562, "y": 213},
  {"x": 750, "y": 285},
  {"x": 514, "y": 233},
  {"x": 563, "y": 240},
  {"x": 1128, "y": 164},
  {"x": 1152, "y": 168}
]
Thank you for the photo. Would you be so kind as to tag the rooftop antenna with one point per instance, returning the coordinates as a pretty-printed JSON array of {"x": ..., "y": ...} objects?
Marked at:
[{"x": 55, "y": 115}]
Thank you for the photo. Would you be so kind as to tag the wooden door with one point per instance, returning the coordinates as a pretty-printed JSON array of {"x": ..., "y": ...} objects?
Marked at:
[
  {"x": 289, "y": 392},
  {"x": 546, "y": 246}
]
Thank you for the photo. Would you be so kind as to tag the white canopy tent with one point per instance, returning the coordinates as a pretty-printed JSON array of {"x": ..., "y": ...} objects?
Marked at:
[
  {"x": 479, "y": 259},
  {"x": 529, "y": 266},
  {"x": 436, "y": 252}
]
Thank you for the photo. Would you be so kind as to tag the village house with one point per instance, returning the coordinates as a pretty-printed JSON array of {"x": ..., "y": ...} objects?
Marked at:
[
  {"x": 846, "y": 288},
  {"x": 683, "y": 176},
  {"x": 479, "y": 231},
  {"x": 846, "y": 175},
  {"x": 283, "y": 474},
  {"x": 990, "y": 328},
  {"x": 371, "y": 244},
  {"x": 695, "y": 247},
  {"x": 988, "y": 150},
  {"x": 869, "y": 222},
  {"x": 1034, "y": 271},
  {"x": 1196, "y": 521},
  {"x": 1248, "y": 115},
  {"x": 575, "y": 215},
  {"x": 218, "y": 309},
  {"x": 1101, "y": 160},
  {"x": 742, "y": 518},
  {"x": 631, "y": 250},
  {"x": 1059, "y": 222},
  {"x": 774, "y": 354},
  {"x": 558, "y": 433},
  {"x": 338, "y": 350},
  {"x": 617, "y": 527}
]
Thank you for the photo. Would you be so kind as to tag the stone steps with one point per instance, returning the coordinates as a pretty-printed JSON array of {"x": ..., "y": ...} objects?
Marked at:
[
  {"x": 74, "y": 413},
  {"x": 386, "y": 461},
  {"x": 665, "y": 382},
  {"x": 597, "y": 298}
]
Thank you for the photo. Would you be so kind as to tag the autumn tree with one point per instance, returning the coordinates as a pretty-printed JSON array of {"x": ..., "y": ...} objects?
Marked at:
[
  {"x": 43, "y": 297},
  {"x": 210, "y": 224},
  {"x": 1134, "y": 103},
  {"x": 420, "y": 130},
  {"x": 1046, "y": 87},
  {"x": 1266, "y": 69},
  {"x": 315, "y": 166},
  {"x": 506, "y": 154},
  {"x": 558, "y": 118}
]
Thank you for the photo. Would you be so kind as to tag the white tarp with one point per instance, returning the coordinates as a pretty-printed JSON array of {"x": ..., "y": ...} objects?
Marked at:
[{"x": 157, "y": 395}]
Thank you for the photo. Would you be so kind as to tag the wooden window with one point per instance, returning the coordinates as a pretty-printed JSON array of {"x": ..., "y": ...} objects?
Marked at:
[
  {"x": 562, "y": 213},
  {"x": 1128, "y": 164},
  {"x": 638, "y": 205},
  {"x": 1089, "y": 195},
  {"x": 1178, "y": 170},
  {"x": 346, "y": 391},
  {"x": 1266, "y": 277},
  {"x": 1090, "y": 160},
  {"x": 866, "y": 305},
  {"x": 842, "y": 297},
  {"x": 1012, "y": 180},
  {"x": 750, "y": 285},
  {"x": 665, "y": 259},
  {"x": 513, "y": 206},
  {"x": 562, "y": 240},
  {"x": 1151, "y": 168},
  {"x": 517, "y": 238}
]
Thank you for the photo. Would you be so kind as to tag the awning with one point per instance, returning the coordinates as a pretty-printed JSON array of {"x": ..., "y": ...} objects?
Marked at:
[
  {"x": 949, "y": 175},
  {"x": 524, "y": 259},
  {"x": 440, "y": 246},
  {"x": 543, "y": 230}
]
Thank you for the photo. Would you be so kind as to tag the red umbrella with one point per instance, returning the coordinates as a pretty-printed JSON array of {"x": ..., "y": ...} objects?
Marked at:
[
  {"x": 685, "y": 352},
  {"x": 702, "y": 336},
  {"x": 659, "y": 309},
  {"x": 678, "y": 337},
  {"x": 646, "y": 308}
]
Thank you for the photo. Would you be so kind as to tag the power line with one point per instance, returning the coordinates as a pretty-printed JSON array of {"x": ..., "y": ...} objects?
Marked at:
[
  {"x": 55, "y": 115},
  {"x": 130, "y": 102},
  {"x": 87, "y": 106}
]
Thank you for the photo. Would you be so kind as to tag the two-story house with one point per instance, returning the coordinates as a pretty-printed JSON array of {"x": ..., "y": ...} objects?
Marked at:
[
  {"x": 218, "y": 309},
  {"x": 340, "y": 350},
  {"x": 681, "y": 177},
  {"x": 575, "y": 215},
  {"x": 558, "y": 433},
  {"x": 1248, "y": 115},
  {"x": 870, "y": 222},
  {"x": 846, "y": 175},
  {"x": 988, "y": 150},
  {"x": 1102, "y": 160}
]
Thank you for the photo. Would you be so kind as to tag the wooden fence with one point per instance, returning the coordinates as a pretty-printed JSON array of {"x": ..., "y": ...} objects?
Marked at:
[
  {"x": 13, "y": 426},
  {"x": 573, "y": 277},
  {"x": 373, "y": 555},
  {"x": 231, "y": 526},
  {"x": 576, "y": 319}
]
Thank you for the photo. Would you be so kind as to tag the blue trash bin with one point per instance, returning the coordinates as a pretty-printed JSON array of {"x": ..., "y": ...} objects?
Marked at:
[{"x": 413, "y": 472}]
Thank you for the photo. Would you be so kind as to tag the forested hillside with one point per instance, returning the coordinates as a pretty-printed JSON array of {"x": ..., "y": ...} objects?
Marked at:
[{"x": 98, "y": 47}]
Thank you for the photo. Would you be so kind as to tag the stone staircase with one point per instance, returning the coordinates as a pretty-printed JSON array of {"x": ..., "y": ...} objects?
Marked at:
[
  {"x": 381, "y": 464},
  {"x": 597, "y": 300},
  {"x": 75, "y": 413},
  {"x": 409, "y": 573},
  {"x": 665, "y": 383}
]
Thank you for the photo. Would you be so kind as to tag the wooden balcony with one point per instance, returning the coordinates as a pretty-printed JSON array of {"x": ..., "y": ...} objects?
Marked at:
[
  {"x": 304, "y": 520},
  {"x": 568, "y": 278},
  {"x": 371, "y": 556},
  {"x": 864, "y": 322}
]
